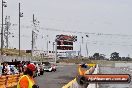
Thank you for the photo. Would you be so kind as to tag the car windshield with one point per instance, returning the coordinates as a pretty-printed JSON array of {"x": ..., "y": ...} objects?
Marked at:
[{"x": 46, "y": 63}]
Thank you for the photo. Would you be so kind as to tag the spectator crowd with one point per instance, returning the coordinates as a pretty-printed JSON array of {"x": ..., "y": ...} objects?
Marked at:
[{"x": 17, "y": 67}]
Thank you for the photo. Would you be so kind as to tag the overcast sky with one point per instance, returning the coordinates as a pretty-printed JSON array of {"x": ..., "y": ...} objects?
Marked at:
[{"x": 92, "y": 16}]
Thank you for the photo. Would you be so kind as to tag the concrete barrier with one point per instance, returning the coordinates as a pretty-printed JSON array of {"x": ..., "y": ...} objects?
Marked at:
[
  {"x": 10, "y": 58},
  {"x": 74, "y": 84},
  {"x": 129, "y": 65}
]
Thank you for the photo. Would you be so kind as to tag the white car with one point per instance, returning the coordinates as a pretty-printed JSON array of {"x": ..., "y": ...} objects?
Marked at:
[{"x": 49, "y": 67}]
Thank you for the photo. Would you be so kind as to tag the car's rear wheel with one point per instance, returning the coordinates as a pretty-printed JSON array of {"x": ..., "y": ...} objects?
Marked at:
[{"x": 41, "y": 72}]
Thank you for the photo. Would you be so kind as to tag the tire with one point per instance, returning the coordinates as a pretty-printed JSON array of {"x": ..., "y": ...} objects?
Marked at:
[
  {"x": 51, "y": 70},
  {"x": 55, "y": 70},
  {"x": 81, "y": 80},
  {"x": 42, "y": 72}
]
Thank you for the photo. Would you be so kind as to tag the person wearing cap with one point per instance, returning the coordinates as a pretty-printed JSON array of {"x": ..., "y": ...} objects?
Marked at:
[
  {"x": 85, "y": 69},
  {"x": 82, "y": 68},
  {"x": 27, "y": 81}
]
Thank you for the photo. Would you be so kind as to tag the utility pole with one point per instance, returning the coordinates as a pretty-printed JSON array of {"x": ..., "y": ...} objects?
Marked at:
[
  {"x": 82, "y": 39},
  {"x": 55, "y": 50},
  {"x": 2, "y": 32},
  {"x": 81, "y": 47},
  {"x": 87, "y": 45},
  {"x": 19, "y": 29},
  {"x": 53, "y": 46},
  {"x": 6, "y": 31},
  {"x": 32, "y": 43},
  {"x": 7, "y": 46},
  {"x": 32, "y": 39},
  {"x": 80, "y": 51},
  {"x": 87, "y": 49},
  {"x": 20, "y": 15},
  {"x": 7, "y": 28},
  {"x": 47, "y": 45},
  {"x": 2, "y": 42},
  {"x": 34, "y": 34}
]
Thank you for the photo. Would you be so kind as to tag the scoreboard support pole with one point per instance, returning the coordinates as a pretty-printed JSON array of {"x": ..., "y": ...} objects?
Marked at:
[{"x": 55, "y": 51}]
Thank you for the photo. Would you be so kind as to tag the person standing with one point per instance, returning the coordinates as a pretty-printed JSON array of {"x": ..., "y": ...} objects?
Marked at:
[
  {"x": 27, "y": 80},
  {"x": 7, "y": 70}
]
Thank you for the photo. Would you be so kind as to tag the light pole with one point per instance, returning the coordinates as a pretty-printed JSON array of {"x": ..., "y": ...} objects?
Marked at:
[
  {"x": 2, "y": 42},
  {"x": 32, "y": 38},
  {"x": 80, "y": 54},
  {"x": 53, "y": 46},
  {"x": 87, "y": 45},
  {"x": 81, "y": 47},
  {"x": 47, "y": 45},
  {"x": 32, "y": 43},
  {"x": 20, "y": 15}
]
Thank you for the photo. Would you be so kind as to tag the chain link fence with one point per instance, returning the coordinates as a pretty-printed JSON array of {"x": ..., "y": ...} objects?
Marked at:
[
  {"x": 13, "y": 58},
  {"x": 24, "y": 58}
]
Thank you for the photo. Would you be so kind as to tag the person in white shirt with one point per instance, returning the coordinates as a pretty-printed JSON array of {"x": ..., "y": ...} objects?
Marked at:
[{"x": 7, "y": 69}]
